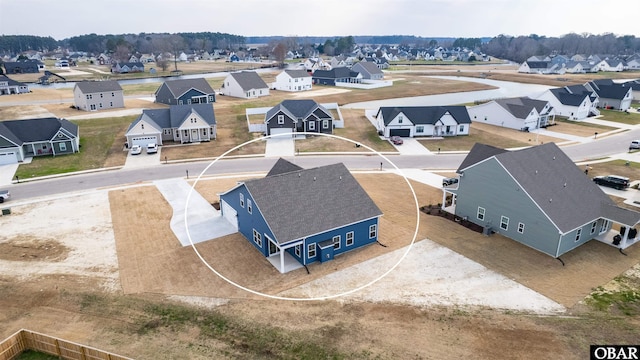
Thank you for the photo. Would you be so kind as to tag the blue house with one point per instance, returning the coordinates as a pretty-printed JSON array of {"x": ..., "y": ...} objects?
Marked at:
[
  {"x": 185, "y": 92},
  {"x": 296, "y": 216}
]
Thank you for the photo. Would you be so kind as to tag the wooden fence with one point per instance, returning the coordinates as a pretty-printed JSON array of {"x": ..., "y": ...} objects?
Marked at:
[{"x": 23, "y": 340}]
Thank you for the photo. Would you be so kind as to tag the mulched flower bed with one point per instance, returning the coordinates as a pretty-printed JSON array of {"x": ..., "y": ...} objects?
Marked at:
[{"x": 437, "y": 211}]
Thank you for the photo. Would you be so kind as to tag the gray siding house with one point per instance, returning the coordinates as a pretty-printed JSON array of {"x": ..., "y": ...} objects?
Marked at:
[
  {"x": 21, "y": 139},
  {"x": 98, "y": 95},
  {"x": 536, "y": 196}
]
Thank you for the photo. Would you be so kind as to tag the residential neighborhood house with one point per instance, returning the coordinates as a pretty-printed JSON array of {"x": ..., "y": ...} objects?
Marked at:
[
  {"x": 185, "y": 92},
  {"x": 292, "y": 80},
  {"x": 368, "y": 70},
  {"x": 574, "y": 102},
  {"x": 21, "y": 139},
  {"x": 296, "y": 216},
  {"x": 611, "y": 95},
  {"x": 129, "y": 67},
  {"x": 98, "y": 95},
  {"x": 179, "y": 123},
  {"x": 9, "y": 86},
  {"x": 336, "y": 76},
  {"x": 23, "y": 67},
  {"x": 536, "y": 196},
  {"x": 291, "y": 116},
  {"x": 244, "y": 84},
  {"x": 412, "y": 121},
  {"x": 520, "y": 113}
]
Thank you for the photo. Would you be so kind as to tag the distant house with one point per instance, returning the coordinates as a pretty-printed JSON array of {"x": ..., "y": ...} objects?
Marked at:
[
  {"x": 129, "y": 67},
  {"x": 336, "y": 76},
  {"x": 244, "y": 84},
  {"x": 611, "y": 95},
  {"x": 292, "y": 80},
  {"x": 10, "y": 86},
  {"x": 368, "y": 70},
  {"x": 185, "y": 92},
  {"x": 22, "y": 67},
  {"x": 536, "y": 196},
  {"x": 412, "y": 121},
  {"x": 317, "y": 63},
  {"x": 574, "y": 102},
  {"x": 179, "y": 123},
  {"x": 292, "y": 116},
  {"x": 635, "y": 88},
  {"x": 21, "y": 139},
  {"x": 541, "y": 67},
  {"x": 98, "y": 95},
  {"x": 520, "y": 113},
  {"x": 295, "y": 217}
]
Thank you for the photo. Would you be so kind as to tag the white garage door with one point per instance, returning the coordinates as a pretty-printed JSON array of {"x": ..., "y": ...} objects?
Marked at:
[
  {"x": 279, "y": 132},
  {"x": 144, "y": 140},
  {"x": 229, "y": 213},
  {"x": 8, "y": 157}
]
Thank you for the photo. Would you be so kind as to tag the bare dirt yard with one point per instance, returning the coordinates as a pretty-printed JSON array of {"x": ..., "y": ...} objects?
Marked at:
[{"x": 110, "y": 274}]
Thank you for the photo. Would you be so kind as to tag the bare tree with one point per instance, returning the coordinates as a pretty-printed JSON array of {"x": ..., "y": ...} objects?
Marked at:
[{"x": 280, "y": 53}]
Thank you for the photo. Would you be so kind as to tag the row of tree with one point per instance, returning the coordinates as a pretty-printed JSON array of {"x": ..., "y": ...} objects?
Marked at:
[{"x": 517, "y": 49}]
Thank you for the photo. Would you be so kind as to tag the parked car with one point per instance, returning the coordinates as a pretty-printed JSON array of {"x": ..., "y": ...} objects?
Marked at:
[
  {"x": 4, "y": 195},
  {"x": 396, "y": 140},
  {"x": 152, "y": 148},
  {"x": 613, "y": 181},
  {"x": 136, "y": 150},
  {"x": 449, "y": 181},
  {"x": 635, "y": 144}
]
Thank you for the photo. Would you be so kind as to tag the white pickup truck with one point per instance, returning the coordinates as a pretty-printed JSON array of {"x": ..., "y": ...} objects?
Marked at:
[{"x": 4, "y": 195}]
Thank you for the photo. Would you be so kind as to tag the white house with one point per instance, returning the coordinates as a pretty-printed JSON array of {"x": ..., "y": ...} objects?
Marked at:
[
  {"x": 574, "y": 102},
  {"x": 292, "y": 80},
  {"x": 244, "y": 84},
  {"x": 520, "y": 113},
  {"x": 412, "y": 121}
]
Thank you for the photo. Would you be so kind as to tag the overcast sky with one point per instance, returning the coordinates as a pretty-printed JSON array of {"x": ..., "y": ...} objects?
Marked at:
[{"x": 427, "y": 18}]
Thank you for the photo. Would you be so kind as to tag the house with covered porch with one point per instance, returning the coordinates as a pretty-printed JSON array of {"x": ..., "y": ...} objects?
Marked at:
[
  {"x": 412, "y": 121},
  {"x": 179, "y": 123},
  {"x": 538, "y": 197},
  {"x": 295, "y": 217}
]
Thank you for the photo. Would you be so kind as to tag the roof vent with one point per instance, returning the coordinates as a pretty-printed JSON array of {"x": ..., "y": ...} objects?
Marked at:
[
  {"x": 314, "y": 178},
  {"x": 550, "y": 200},
  {"x": 340, "y": 177},
  {"x": 565, "y": 185}
]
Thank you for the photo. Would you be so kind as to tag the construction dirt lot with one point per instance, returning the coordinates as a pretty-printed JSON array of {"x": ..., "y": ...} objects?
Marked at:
[
  {"x": 103, "y": 268},
  {"x": 111, "y": 274}
]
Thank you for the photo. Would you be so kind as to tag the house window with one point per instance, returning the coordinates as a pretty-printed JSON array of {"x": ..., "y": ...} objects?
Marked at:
[
  {"x": 594, "y": 226},
  {"x": 605, "y": 226},
  {"x": 578, "y": 233},
  {"x": 257, "y": 238},
  {"x": 186, "y": 132},
  {"x": 249, "y": 207},
  {"x": 336, "y": 242},
  {"x": 297, "y": 250},
  {"x": 373, "y": 231},
  {"x": 419, "y": 129},
  {"x": 92, "y": 106},
  {"x": 521, "y": 228},
  {"x": 113, "y": 94},
  {"x": 312, "y": 125},
  {"x": 311, "y": 251},
  {"x": 167, "y": 131},
  {"x": 63, "y": 147},
  {"x": 204, "y": 132},
  {"x": 280, "y": 119},
  {"x": 241, "y": 199},
  {"x": 480, "y": 214},
  {"x": 349, "y": 238},
  {"x": 461, "y": 129},
  {"x": 111, "y": 103},
  {"x": 504, "y": 223},
  {"x": 325, "y": 124},
  {"x": 400, "y": 119},
  {"x": 179, "y": 102}
]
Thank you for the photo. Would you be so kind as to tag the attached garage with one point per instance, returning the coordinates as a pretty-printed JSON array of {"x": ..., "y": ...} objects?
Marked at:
[
  {"x": 229, "y": 213},
  {"x": 143, "y": 140},
  {"x": 8, "y": 157},
  {"x": 400, "y": 132},
  {"x": 280, "y": 131}
]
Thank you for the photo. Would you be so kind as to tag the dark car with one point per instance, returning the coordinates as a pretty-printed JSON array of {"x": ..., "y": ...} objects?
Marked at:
[
  {"x": 396, "y": 140},
  {"x": 449, "y": 181},
  {"x": 613, "y": 181}
]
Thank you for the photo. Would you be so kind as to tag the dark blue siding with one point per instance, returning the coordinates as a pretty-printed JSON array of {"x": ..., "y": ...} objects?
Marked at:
[{"x": 361, "y": 238}]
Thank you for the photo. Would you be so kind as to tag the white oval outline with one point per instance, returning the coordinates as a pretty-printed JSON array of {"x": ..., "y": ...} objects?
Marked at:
[{"x": 415, "y": 234}]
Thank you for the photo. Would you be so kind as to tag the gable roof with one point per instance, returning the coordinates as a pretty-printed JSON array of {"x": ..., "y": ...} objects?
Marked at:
[
  {"x": 609, "y": 90},
  {"x": 306, "y": 202},
  {"x": 427, "y": 115},
  {"x": 175, "y": 115},
  {"x": 558, "y": 187},
  {"x": 11, "y": 82},
  {"x": 297, "y": 109},
  {"x": 248, "y": 80},
  {"x": 35, "y": 130},
  {"x": 283, "y": 166},
  {"x": 180, "y": 86},
  {"x": 567, "y": 97},
  {"x": 335, "y": 73},
  {"x": 369, "y": 66},
  {"x": 89, "y": 87},
  {"x": 478, "y": 153},
  {"x": 297, "y": 73},
  {"x": 521, "y": 107}
]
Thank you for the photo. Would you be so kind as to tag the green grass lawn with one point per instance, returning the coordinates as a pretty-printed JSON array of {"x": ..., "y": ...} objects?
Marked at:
[
  {"x": 630, "y": 118},
  {"x": 97, "y": 139}
]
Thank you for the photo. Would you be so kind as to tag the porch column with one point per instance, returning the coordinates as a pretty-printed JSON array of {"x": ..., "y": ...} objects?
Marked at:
[
  {"x": 625, "y": 237},
  {"x": 281, "y": 260},
  {"x": 444, "y": 199}
]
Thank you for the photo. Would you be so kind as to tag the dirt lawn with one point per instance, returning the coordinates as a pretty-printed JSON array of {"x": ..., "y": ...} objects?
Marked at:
[{"x": 100, "y": 289}]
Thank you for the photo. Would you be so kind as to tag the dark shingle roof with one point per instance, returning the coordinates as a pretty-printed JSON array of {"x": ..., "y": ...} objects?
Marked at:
[
  {"x": 610, "y": 90},
  {"x": 297, "y": 73},
  {"x": 283, "y": 166},
  {"x": 426, "y": 114},
  {"x": 306, "y": 202},
  {"x": 175, "y": 115},
  {"x": 297, "y": 109},
  {"x": 521, "y": 107},
  {"x": 335, "y": 73},
  {"x": 249, "y": 80},
  {"x": 567, "y": 97},
  {"x": 89, "y": 87},
  {"x": 35, "y": 130},
  {"x": 478, "y": 153},
  {"x": 181, "y": 86},
  {"x": 11, "y": 81}
]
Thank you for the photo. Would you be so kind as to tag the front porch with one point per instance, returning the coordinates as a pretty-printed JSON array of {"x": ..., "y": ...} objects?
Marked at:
[{"x": 624, "y": 242}]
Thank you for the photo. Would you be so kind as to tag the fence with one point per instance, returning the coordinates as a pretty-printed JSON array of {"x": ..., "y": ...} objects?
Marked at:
[{"x": 24, "y": 340}]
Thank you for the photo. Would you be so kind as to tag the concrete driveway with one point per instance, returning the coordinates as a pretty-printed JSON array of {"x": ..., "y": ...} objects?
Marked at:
[
  {"x": 143, "y": 159},
  {"x": 411, "y": 146},
  {"x": 280, "y": 146},
  {"x": 7, "y": 173}
]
